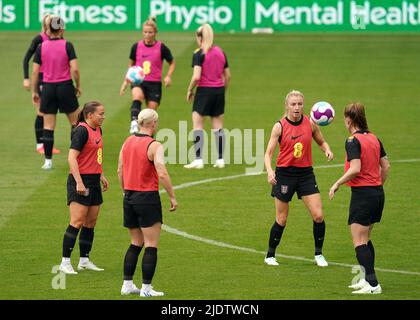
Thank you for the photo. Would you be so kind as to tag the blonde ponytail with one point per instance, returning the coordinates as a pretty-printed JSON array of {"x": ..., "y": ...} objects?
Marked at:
[
  {"x": 205, "y": 32},
  {"x": 45, "y": 23}
]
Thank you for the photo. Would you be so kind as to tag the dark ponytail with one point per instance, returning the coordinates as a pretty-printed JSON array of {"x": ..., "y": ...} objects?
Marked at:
[
  {"x": 89, "y": 107},
  {"x": 356, "y": 112}
]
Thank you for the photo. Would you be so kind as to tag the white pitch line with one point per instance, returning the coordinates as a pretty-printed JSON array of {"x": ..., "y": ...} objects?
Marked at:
[
  {"x": 230, "y": 246},
  {"x": 250, "y": 250},
  {"x": 407, "y": 160},
  {"x": 196, "y": 183}
]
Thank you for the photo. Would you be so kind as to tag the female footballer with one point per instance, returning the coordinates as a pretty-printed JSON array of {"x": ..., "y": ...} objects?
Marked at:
[
  {"x": 211, "y": 76},
  {"x": 366, "y": 170},
  {"x": 294, "y": 173},
  {"x": 39, "y": 120},
  {"x": 84, "y": 194},
  {"x": 59, "y": 64},
  {"x": 141, "y": 166},
  {"x": 148, "y": 53}
]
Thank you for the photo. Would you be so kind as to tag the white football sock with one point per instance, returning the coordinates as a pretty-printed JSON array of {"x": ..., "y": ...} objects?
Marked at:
[
  {"x": 146, "y": 287},
  {"x": 83, "y": 260},
  {"x": 128, "y": 283},
  {"x": 65, "y": 260}
]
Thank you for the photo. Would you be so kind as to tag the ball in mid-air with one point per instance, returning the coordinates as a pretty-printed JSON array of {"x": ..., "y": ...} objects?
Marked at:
[
  {"x": 135, "y": 75},
  {"x": 322, "y": 113}
]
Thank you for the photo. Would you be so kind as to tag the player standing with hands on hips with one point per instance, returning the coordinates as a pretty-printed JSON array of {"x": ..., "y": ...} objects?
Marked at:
[
  {"x": 149, "y": 54},
  {"x": 84, "y": 194},
  {"x": 141, "y": 166},
  {"x": 366, "y": 170},
  {"x": 294, "y": 173}
]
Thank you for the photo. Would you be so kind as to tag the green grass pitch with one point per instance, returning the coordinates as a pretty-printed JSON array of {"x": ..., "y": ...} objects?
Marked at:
[{"x": 380, "y": 70}]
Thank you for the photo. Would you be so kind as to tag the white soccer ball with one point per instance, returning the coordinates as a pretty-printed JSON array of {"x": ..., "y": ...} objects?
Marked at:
[
  {"x": 135, "y": 75},
  {"x": 322, "y": 113}
]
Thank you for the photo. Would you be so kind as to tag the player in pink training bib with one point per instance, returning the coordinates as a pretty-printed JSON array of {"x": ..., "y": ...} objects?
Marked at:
[
  {"x": 148, "y": 53},
  {"x": 57, "y": 59},
  {"x": 211, "y": 76},
  {"x": 39, "y": 120}
]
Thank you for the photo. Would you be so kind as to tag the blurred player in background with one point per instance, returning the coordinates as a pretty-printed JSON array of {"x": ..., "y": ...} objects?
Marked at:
[
  {"x": 211, "y": 76},
  {"x": 58, "y": 61},
  {"x": 39, "y": 120},
  {"x": 141, "y": 165},
  {"x": 294, "y": 173},
  {"x": 366, "y": 169},
  {"x": 84, "y": 194},
  {"x": 148, "y": 53}
]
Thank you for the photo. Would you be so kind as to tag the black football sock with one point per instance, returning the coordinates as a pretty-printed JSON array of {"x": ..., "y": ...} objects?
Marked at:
[
  {"x": 85, "y": 241},
  {"x": 198, "y": 142},
  {"x": 149, "y": 264},
  {"x": 135, "y": 109},
  {"x": 275, "y": 236},
  {"x": 48, "y": 140},
  {"x": 39, "y": 128},
  {"x": 319, "y": 235},
  {"x": 130, "y": 261},
  {"x": 220, "y": 142},
  {"x": 365, "y": 258},
  {"x": 372, "y": 250},
  {"x": 69, "y": 240}
]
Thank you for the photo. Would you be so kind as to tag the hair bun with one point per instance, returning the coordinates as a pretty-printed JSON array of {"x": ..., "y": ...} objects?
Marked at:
[
  {"x": 146, "y": 116},
  {"x": 57, "y": 23}
]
